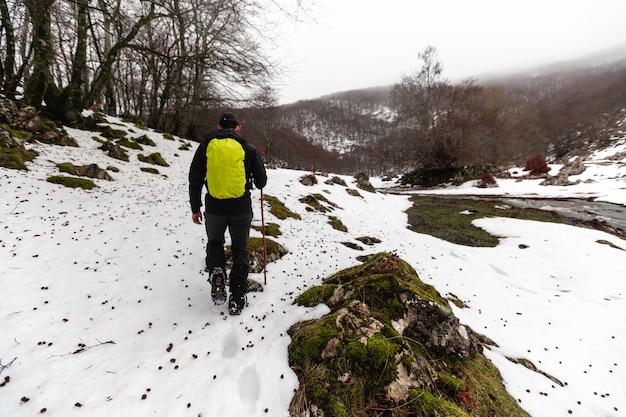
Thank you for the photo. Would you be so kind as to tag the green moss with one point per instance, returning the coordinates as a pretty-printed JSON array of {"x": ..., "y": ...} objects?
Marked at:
[
  {"x": 368, "y": 240},
  {"x": 145, "y": 140},
  {"x": 68, "y": 168},
  {"x": 318, "y": 202},
  {"x": 15, "y": 157},
  {"x": 373, "y": 362},
  {"x": 451, "y": 218},
  {"x": 72, "y": 182},
  {"x": 483, "y": 391},
  {"x": 425, "y": 403},
  {"x": 255, "y": 244},
  {"x": 271, "y": 229},
  {"x": 112, "y": 134},
  {"x": 168, "y": 136},
  {"x": 154, "y": 159},
  {"x": 353, "y": 192},
  {"x": 150, "y": 170},
  {"x": 129, "y": 143},
  {"x": 353, "y": 245},
  {"x": 309, "y": 339},
  {"x": 337, "y": 224},
  {"x": 316, "y": 295},
  {"x": 354, "y": 372},
  {"x": 18, "y": 134},
  {"x": 382, "y": 269},
  {"x": 278, "y": 209}
]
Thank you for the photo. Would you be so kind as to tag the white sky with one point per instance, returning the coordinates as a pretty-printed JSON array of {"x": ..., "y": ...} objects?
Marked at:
[{"x": 365, "y": 43}]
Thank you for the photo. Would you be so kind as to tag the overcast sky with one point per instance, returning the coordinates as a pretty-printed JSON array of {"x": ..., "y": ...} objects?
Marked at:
[{"x": 365, "y": 43}]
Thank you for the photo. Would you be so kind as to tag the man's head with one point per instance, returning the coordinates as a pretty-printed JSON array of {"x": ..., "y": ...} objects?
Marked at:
[{"x": 228, "y": 121}]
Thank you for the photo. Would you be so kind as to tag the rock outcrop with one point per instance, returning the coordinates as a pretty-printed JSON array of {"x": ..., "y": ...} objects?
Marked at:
[{"x": 391, "y": 345}]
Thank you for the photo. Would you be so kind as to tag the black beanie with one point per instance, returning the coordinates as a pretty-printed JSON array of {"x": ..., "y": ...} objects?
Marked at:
[{"x": 228, "y": 121}]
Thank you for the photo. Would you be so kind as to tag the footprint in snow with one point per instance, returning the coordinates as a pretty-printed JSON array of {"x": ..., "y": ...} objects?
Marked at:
[
  {"x": 249, "y": 387},
  {"x": 230, "y": 345}
]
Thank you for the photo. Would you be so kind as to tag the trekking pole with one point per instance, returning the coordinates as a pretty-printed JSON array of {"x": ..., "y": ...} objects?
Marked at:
[{"x": 264, "y": 242}]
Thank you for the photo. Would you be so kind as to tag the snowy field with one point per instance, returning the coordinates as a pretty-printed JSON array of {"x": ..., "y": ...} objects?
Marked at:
[{"x": 105, "y": 309}]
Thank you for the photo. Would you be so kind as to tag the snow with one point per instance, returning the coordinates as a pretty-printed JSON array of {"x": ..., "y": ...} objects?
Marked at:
[{"x": 105, "y": 309}]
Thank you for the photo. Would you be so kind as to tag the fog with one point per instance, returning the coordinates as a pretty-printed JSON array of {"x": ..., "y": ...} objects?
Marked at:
[{"x": 356, "y": 44}]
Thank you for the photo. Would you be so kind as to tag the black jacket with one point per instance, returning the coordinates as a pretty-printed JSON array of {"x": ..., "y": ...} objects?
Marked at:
[{"x": 255, "y": 174}]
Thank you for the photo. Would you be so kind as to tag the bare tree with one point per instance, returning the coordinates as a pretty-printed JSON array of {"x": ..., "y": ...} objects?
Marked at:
[{"x": 159, "y": 60}]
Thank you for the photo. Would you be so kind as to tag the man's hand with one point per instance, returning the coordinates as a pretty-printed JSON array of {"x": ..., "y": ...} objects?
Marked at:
[{"x": 197, "y": 217}]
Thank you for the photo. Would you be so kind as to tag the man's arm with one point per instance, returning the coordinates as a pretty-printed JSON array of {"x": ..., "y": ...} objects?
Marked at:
[
  {"x": 258, "y": 170},
  {"x": 197, "y": 175}
]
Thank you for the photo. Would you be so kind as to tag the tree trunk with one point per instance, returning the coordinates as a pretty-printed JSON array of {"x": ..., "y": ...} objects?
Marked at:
[
  {"x": 7, "y": 69},
  {"x": 40, "y": 85}
]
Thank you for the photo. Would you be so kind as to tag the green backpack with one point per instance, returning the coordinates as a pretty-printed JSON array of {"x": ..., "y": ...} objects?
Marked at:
[{"x": 226, "y": 172}]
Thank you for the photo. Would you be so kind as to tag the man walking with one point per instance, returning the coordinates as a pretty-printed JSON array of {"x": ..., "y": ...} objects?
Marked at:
[{"x": 228, "y": 165}]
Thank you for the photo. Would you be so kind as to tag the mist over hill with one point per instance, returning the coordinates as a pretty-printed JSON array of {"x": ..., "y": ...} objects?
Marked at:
[{"x": 552, "y": 110}]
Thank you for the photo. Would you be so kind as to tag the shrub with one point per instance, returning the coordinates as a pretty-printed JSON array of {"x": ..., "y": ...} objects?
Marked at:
[
  {"x": 536, "y": 165},
  {"x": 487, "y": 180}
]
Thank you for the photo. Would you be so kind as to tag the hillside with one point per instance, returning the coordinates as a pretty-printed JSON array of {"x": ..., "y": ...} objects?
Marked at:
[
  {"x": 551, "y": 110},
  {"x": 105, "y": 308}
]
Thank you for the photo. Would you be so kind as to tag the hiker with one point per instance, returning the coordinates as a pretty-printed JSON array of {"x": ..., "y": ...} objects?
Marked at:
[{"x": 229, "y": 166}]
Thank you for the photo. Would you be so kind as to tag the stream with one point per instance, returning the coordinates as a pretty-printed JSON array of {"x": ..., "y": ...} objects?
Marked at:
[{"x": 611, "y": 214}]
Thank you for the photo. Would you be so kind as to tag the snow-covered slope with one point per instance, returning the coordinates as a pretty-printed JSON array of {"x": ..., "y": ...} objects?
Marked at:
[{"x": 105, "y": 310}]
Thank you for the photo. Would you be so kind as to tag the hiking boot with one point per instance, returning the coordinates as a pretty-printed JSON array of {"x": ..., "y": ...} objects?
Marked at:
[
  {"x": 236, "y": 304},
  {"x": 217, "y": 278}
]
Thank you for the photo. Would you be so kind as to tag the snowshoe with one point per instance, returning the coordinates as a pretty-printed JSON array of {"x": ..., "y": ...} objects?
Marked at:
[{"x": 217, "y": 278}]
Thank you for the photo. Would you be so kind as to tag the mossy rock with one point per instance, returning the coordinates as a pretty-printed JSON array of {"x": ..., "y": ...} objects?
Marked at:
[
  {"x": 154, "y": 159},
  {"x": 353, "y": 245},
  {"x": 130, "y": 144},
  {"x": 377, "y": 266},
  {"x": 90, "y": 170},
  {"x": 115, "y": 151},
  {"x": 72, "y": 182},
  {"x": 16, "y": 133},
  {"x": 15, "y": 157},
  {"x": 368, "y": 240},
  {"x": 112, "y": 134},
  {"x": 337, "y": 224},
  {"x": 150, "y": 170},
  {"x": 271, "y": 229},
  {"x": 335, "y": 181},
  {"x": 256, "y": 257},
  {"x": 145, "y": 140},
  {"x": 318, "y": 202},
  {"x": 367, "y": 354},
  {"x": 278, "y": 208}
]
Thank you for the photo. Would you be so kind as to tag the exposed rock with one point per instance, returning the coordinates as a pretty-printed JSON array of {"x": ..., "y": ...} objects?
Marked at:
[
  {"x": 114, "y": 151},
  {"x": 574, "y": 168},
  {"x": 439, "y": 329},
  {"x": 308, "y": 180},
  {"x": 363, "y": 182},
  {"x": 335, "y": 180},
  {"x": 390, "y": 342},
  {"x": 94, "y": 171}
]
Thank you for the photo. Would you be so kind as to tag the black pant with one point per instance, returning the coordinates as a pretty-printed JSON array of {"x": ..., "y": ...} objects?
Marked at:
[{"x": 239, "y": 229}]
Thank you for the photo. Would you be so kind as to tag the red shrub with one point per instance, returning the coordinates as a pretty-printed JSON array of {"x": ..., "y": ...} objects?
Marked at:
[{"x": 536, "y": 165}]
